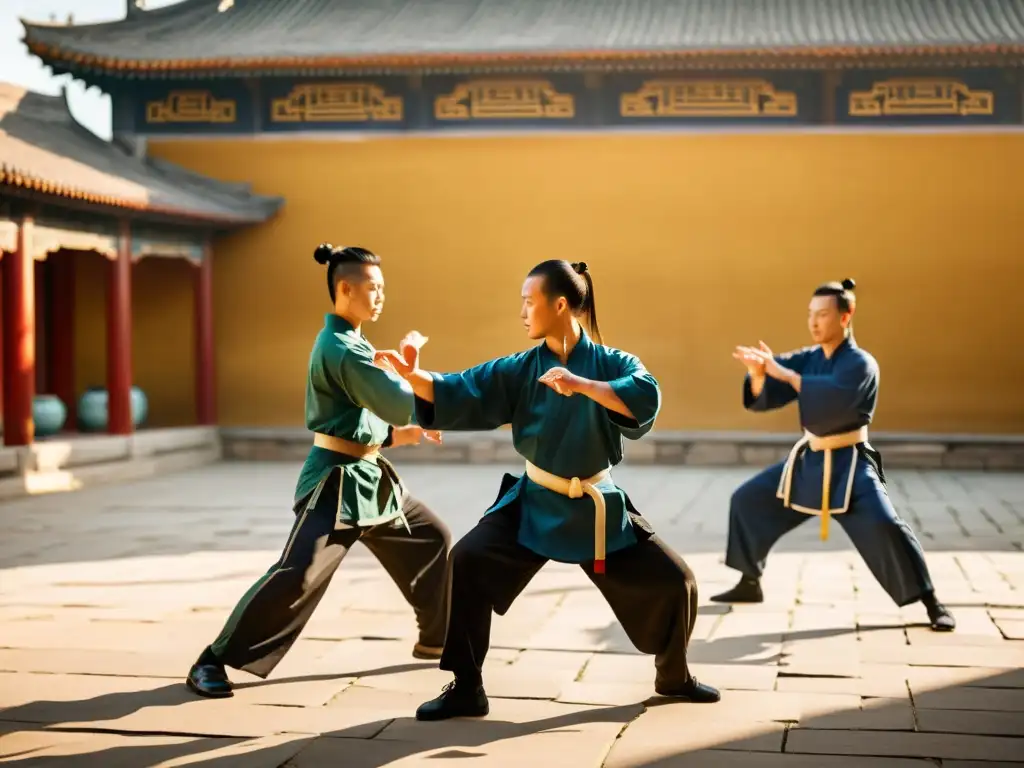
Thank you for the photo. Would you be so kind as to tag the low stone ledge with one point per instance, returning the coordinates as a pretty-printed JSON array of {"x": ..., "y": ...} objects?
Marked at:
[
  {"x": 66, "y": 463},
  {"x": 10, "y": 461},
  {"x": 155, "y": 442},
  {"x": 53, "y": 453},
  {"x": 713, "y": 449},
  {"x": 37, "y": 482},
  {"x": 74, "y": 451}
]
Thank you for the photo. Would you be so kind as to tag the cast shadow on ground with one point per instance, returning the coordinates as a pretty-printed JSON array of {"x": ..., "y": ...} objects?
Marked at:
[
  {"x": 113, "y": 706},
  {"x": 348, "y": 746},
  {"x": 745, "y": 649},
  {"x": 150, "y": 754},
  {"x": 895, "y": 728}
]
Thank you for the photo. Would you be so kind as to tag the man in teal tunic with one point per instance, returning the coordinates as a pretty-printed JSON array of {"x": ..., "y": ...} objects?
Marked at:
[
  {"x": 346, "y": 492},
  {"x": 570, "y": 401}
]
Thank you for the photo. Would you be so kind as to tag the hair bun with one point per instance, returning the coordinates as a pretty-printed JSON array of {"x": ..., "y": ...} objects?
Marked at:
[
  {"x": 579, "y": 267},
  {"x": 849, "y": 284},
  {"x": 323, "y": 253}
]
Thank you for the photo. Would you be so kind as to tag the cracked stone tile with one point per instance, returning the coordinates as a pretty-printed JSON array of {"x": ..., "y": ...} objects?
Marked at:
[
  {"x": 46, "y": 698},
  {"x": 936, "y": 678},
  {"x": 871, "y": 715},
  {"x": 897, "y": 744},
  {"x": 990, "y": 699},
  {"x": 573, "y": 729},
  {"x": 655, "y": 737},
  {"x": 726, "y": 758},
  {"x": 887, "y": 682},
  {"x": 95, "y": 662},
  {"x": 948, "y": 656},
  {"x": 606, "y": 694},
  {"x": 619, "y": 668},
  {"x": 349, "y": 753},
  {"x": 983, "y": 723},
  {"x": 227, "y": 717},
  {"x": 1011, "y": 629},
  {"x": 102, "y": 750}
]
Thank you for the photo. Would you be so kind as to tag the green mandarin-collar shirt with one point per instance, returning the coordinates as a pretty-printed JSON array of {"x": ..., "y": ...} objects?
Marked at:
[{"x": 347, "y": 396}]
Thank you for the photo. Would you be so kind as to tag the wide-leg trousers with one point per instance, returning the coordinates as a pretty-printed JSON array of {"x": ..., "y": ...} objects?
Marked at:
[
  {"x": 272, "y": 613},
  {"x": 651, "y": 590},
  {"x": 758, "y": 519}
]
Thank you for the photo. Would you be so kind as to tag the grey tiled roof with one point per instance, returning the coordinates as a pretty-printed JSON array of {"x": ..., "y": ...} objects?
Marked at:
[
  {"x": 45, "y": 151},
  {"x": 254, "y": 30}
]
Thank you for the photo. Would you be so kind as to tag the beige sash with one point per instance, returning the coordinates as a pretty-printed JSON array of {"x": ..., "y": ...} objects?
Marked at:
[
  {"x": 827, "y": 444},
  {"x": 358, "y": 451},
  {"x": 574, "y": 488},
  {"x": 348, "y": 447}
]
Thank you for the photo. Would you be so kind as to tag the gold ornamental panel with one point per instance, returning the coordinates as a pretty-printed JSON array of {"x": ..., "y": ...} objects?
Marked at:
[
  {"x": 337, "y": 103},
  {"x": 504, "y": 99},
  {"x": 191, "y": 107},
  {"x": 921, "y": 96},
  {"x": 708, "y": 98}
]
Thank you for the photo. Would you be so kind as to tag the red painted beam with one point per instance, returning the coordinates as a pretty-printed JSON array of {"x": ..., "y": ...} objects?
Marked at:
[
  {"x": 19, "y": 333},
  {"x": 206, "y": 396},
  {"x": 119, "y": 337},
  {"x": 62, "y": 331}
]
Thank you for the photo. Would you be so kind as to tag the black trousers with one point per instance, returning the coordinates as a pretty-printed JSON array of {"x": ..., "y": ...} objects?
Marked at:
[
  {"x": 650, "y": 589},
  {"x": 272, "y": 613}
]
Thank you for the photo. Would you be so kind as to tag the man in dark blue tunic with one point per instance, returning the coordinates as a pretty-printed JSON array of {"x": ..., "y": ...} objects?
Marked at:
[{"x": 832, "y": 469}]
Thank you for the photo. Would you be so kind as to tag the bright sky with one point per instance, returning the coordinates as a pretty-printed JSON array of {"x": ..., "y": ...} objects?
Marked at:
[{"x": 91, "y": 108}]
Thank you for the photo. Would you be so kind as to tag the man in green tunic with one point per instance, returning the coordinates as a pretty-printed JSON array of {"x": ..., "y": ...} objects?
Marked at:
[{"x": 346, "y": 492}]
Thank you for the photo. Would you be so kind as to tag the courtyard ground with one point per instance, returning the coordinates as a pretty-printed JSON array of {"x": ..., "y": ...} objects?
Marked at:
[{"x": 108, "y": 594}]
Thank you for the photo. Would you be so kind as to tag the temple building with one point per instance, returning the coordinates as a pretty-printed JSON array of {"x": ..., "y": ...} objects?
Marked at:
[
  {"x": 106, "y": 276},
  {"x": 712, "y": 160}
]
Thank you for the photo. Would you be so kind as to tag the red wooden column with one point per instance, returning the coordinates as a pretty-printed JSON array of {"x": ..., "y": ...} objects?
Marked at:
[
  {"x": 119, "y": 337},
  {"x": 3, "y": 324},
  {"x": 19, "y": 350},
  {"x": 39, "y": 323},
  {"x": 206, "y": 396},
  {"x": 62, "y": 331}
]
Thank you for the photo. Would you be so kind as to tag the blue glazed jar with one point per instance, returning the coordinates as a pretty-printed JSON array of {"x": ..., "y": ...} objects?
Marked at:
[
  {"x": 49, "y": 414},
  {"x": 140, "y": 407},
  {"x": 92, "y": 409}
]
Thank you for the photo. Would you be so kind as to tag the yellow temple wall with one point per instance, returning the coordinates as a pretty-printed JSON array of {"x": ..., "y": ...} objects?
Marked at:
[{"x": 697, "y": 242}]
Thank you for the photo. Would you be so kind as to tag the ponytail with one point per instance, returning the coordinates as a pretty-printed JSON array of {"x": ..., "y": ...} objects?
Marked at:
[
  {"x": 575, "y": 283},
  {"x": 589, "y": 307}
]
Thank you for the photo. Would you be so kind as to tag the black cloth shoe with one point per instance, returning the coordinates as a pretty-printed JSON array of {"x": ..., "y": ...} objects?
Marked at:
[
  {"x": 938, "y": 614},
  {"x": 209, "y": 680},
  {"x": 696, "y": 692},
  {"x": 748, "y": 590},
  {"x": 428, "y": 652},
  {"x": 457, "y": 699}
]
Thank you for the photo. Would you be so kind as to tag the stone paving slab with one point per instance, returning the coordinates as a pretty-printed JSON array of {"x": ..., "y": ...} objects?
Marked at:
[
  {"x": 984, "y": 723},
  {"x": 116, "y": 750},
  {"x": 108, "y": 594},
  {"x": 658, "y": 734},
  {"x": 720, "y": 758},
  {"x": 883, "y": 744}
]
